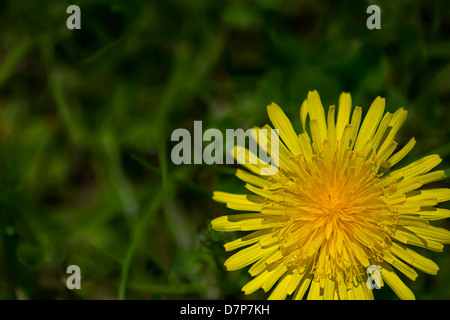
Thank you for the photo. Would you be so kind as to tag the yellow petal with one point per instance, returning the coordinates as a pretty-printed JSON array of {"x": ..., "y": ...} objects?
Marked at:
[
  {"x": 405, "y": 236},
  {"x": 247, "y": 239},
  {"x": 431, "y": 213},
  {"x": 331, "y": 127},
  {"x": 287, "y": 133},
  {"x": 256, "y": 283},
  {"x": 397, "y": 121},
  {"x": 431, "y": 233},
  {"x": 421, "y": 166},
  {"x": 412, "y": 183},
  {"x": 329, "y": 289},
  {"x": 305, "y": 144},
  {"x": 275, "y": 274},
  {"x": 280, "y": 291},
  {"x": 304, "y": 114},
  {"x": 401, "y": 266},
  {"x": 277, "y": 256},
  {"x": 261, "y": 265},
  {"x": 314, "y": 291},
  {"x": 440, "y": 194},
  {"x": 345, "y": 107},
  {"x": 370, "y": 123},
  {"x": 301, "y": 290},
  {"x": 245, "y": 257},
  {"x": 295, "y": 280},
  {"x": 317, "y": 138},
  {"x": 241, "y": 202},
  {"x": 316, "y": 112},
  {"x": 342, "y": 287},
  {"x": 356, "y": 121},
  {"x": 431, "y": 177},
  {"x": 402, "y": 153},
  {"x": 251, "y": 161},
  {"x": 413, "y": 258},
  {"x": 397, "y": 285},
  {"x": 251, "y": 178},
  {"x": 360, "y": 292},
  {"x": 235, "y": 222},
  {"x": 381, "y": 130}
]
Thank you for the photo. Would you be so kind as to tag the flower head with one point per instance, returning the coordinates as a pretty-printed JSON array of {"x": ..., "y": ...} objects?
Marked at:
[{"x": 335, "y": 207}]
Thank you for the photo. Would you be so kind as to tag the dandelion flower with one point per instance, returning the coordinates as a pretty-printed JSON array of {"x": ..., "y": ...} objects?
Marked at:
[{"x": 335, "y": 207}]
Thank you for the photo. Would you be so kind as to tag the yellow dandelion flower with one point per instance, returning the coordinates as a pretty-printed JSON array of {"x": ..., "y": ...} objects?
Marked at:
[{"x": 333, "y": 209}]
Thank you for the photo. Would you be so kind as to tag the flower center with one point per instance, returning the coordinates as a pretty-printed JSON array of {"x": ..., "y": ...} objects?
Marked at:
[{"x": 335, "y": 218}]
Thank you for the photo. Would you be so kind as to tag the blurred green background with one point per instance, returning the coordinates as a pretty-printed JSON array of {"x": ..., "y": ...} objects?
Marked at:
[{"x": 86, "y": 118}]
